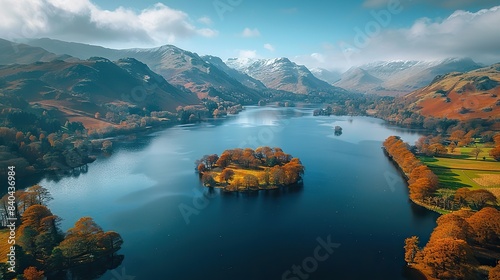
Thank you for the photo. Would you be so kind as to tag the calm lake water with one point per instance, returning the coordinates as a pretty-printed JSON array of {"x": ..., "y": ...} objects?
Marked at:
[{"x": 351, "y": 195}]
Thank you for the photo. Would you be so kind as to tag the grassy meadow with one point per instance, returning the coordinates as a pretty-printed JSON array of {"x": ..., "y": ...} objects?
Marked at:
[{"x": 461, "y": 169}]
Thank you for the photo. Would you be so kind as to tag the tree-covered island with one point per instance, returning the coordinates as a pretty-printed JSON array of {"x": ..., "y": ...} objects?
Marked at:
[{"x": 248, "y": 169}]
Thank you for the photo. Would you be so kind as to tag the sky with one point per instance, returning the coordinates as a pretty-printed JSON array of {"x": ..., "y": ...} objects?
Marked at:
[{"x": 327, "y": 34}]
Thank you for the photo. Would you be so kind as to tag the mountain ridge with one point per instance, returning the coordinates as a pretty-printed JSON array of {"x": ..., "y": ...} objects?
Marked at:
[
  {"x": 179, "y": 67},
  {"x": 401, "y": 77},
  {"x": 282, "y": 74}
]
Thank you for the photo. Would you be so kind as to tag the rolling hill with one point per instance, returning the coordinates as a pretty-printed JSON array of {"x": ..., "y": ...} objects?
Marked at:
[
  {"x": 179, "y": 67},
  {"x": 14, "y": 53},
  {"x": 80, "y": 89},
  {"x": 456, "y": 95},
  {"x": 400, "y": 77}
]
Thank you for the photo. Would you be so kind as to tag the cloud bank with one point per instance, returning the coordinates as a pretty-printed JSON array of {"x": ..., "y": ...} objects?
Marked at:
[
  {"x": 462, "y": 34},
  {"x": 83, "y": 21}
]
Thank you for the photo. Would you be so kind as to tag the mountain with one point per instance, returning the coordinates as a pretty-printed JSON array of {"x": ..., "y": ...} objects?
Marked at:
[
  {"x": 281, "y": 74},
  {"x": 457, "y": 95},
  {"x": 328, "y": 76},
  {"x": 401, "y": 77},
  {"x": 179, "y": 67},
  {"x": 80, "y": 89},
  {"x": 360, "y": 80},
  {"x": 14, "y": 53},
  {"x": 239, "y": 76}
]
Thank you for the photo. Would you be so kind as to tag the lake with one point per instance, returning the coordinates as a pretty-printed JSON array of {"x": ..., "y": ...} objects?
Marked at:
[{"x": 173, "y": 228}]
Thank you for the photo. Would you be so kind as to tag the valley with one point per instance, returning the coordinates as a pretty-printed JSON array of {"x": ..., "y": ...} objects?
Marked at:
[{"x": 71, "y": 113}]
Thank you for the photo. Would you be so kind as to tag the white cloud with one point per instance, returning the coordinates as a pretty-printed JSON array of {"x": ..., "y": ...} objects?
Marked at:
[
  {"x": 318, "y": 57},
  {"x": 450, "y": 4},
  {"x": 205, "y": 20},
  {"x": 248, "y": 32},
  {"x": 247, "y": 54},
  {"x": 269, "y": 47},
  {"x": 207, "y": 32},
  {"x": 462, "y": 34},
  {"x": 83, "y": 21}
]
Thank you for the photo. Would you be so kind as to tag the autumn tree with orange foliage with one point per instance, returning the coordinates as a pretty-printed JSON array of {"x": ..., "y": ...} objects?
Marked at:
[
  {"x": 411, "y": 249},
  {"x": 39, "y": 231},
  {"x": 226, "y": 175},
  {"x": 486, "y": 226},
  {"x": 495, "y": 152},
  {"x": 448, "y": 254},
  {"x": 495, "y": 273},
  {"x": 422, "y": 181},
  {"x": 476, "y": 199},
  {"x": 278, "y": 168},
  {"x": 452, "y": 226},
  {"x": 449, "y": 258},
  {"x": 41, "y": 243},
  {"x": 31, "y": 273},
  {"x": 86, "y": 239}
]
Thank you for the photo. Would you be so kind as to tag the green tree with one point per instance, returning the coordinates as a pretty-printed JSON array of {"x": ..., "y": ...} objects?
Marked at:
[{"x": 56, "y": 259}]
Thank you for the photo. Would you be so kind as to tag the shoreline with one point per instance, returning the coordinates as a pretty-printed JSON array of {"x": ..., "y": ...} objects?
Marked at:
[{"x": 406, "y": 178}]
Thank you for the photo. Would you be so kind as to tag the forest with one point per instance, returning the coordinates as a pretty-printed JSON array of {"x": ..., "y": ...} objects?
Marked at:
[
  {"x": 248, "y": 169},
  {"x": 39, "y": 140},
  {"x": 466, "y": 242},
  {"x": 464, "y": 245},
  {"x": 43, "y": 250}
]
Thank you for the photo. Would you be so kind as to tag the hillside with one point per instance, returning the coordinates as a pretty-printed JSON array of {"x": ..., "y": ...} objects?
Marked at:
[
  {"x": 14, "y": 53},
  {"x": 179, "y": 67},
  {"x": 282, "y": 74},
  {"x": 459, "y": 96},
  {"x": 235, "y": 74},
  {"x": 328, "y": 76},
  {"x": 400, "y": 77},
  {"x": 81, "y": 89},
  {"x": 360, "y": 80}
]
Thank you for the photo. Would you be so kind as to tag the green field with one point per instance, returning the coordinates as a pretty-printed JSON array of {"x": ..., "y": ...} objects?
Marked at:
[
  {"x": 458, "y": 171},
  {"x": 465, "y": 152}
]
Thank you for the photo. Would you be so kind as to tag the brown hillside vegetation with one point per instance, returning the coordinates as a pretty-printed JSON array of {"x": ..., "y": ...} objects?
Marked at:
[
  {"x": 80, "y": 89},
  {"x": 461, "y": 96}
]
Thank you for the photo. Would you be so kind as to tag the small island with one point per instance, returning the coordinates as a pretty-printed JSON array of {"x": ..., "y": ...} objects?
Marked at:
[
  {"x": 247, "y": 169},
  {"x": 338, "y": 130}
]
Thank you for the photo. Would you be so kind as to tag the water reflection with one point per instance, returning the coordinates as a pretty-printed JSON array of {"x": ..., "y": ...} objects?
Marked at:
[
  {"x": 137, "y": 192},
  {"x": 90, "y": 271}
]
